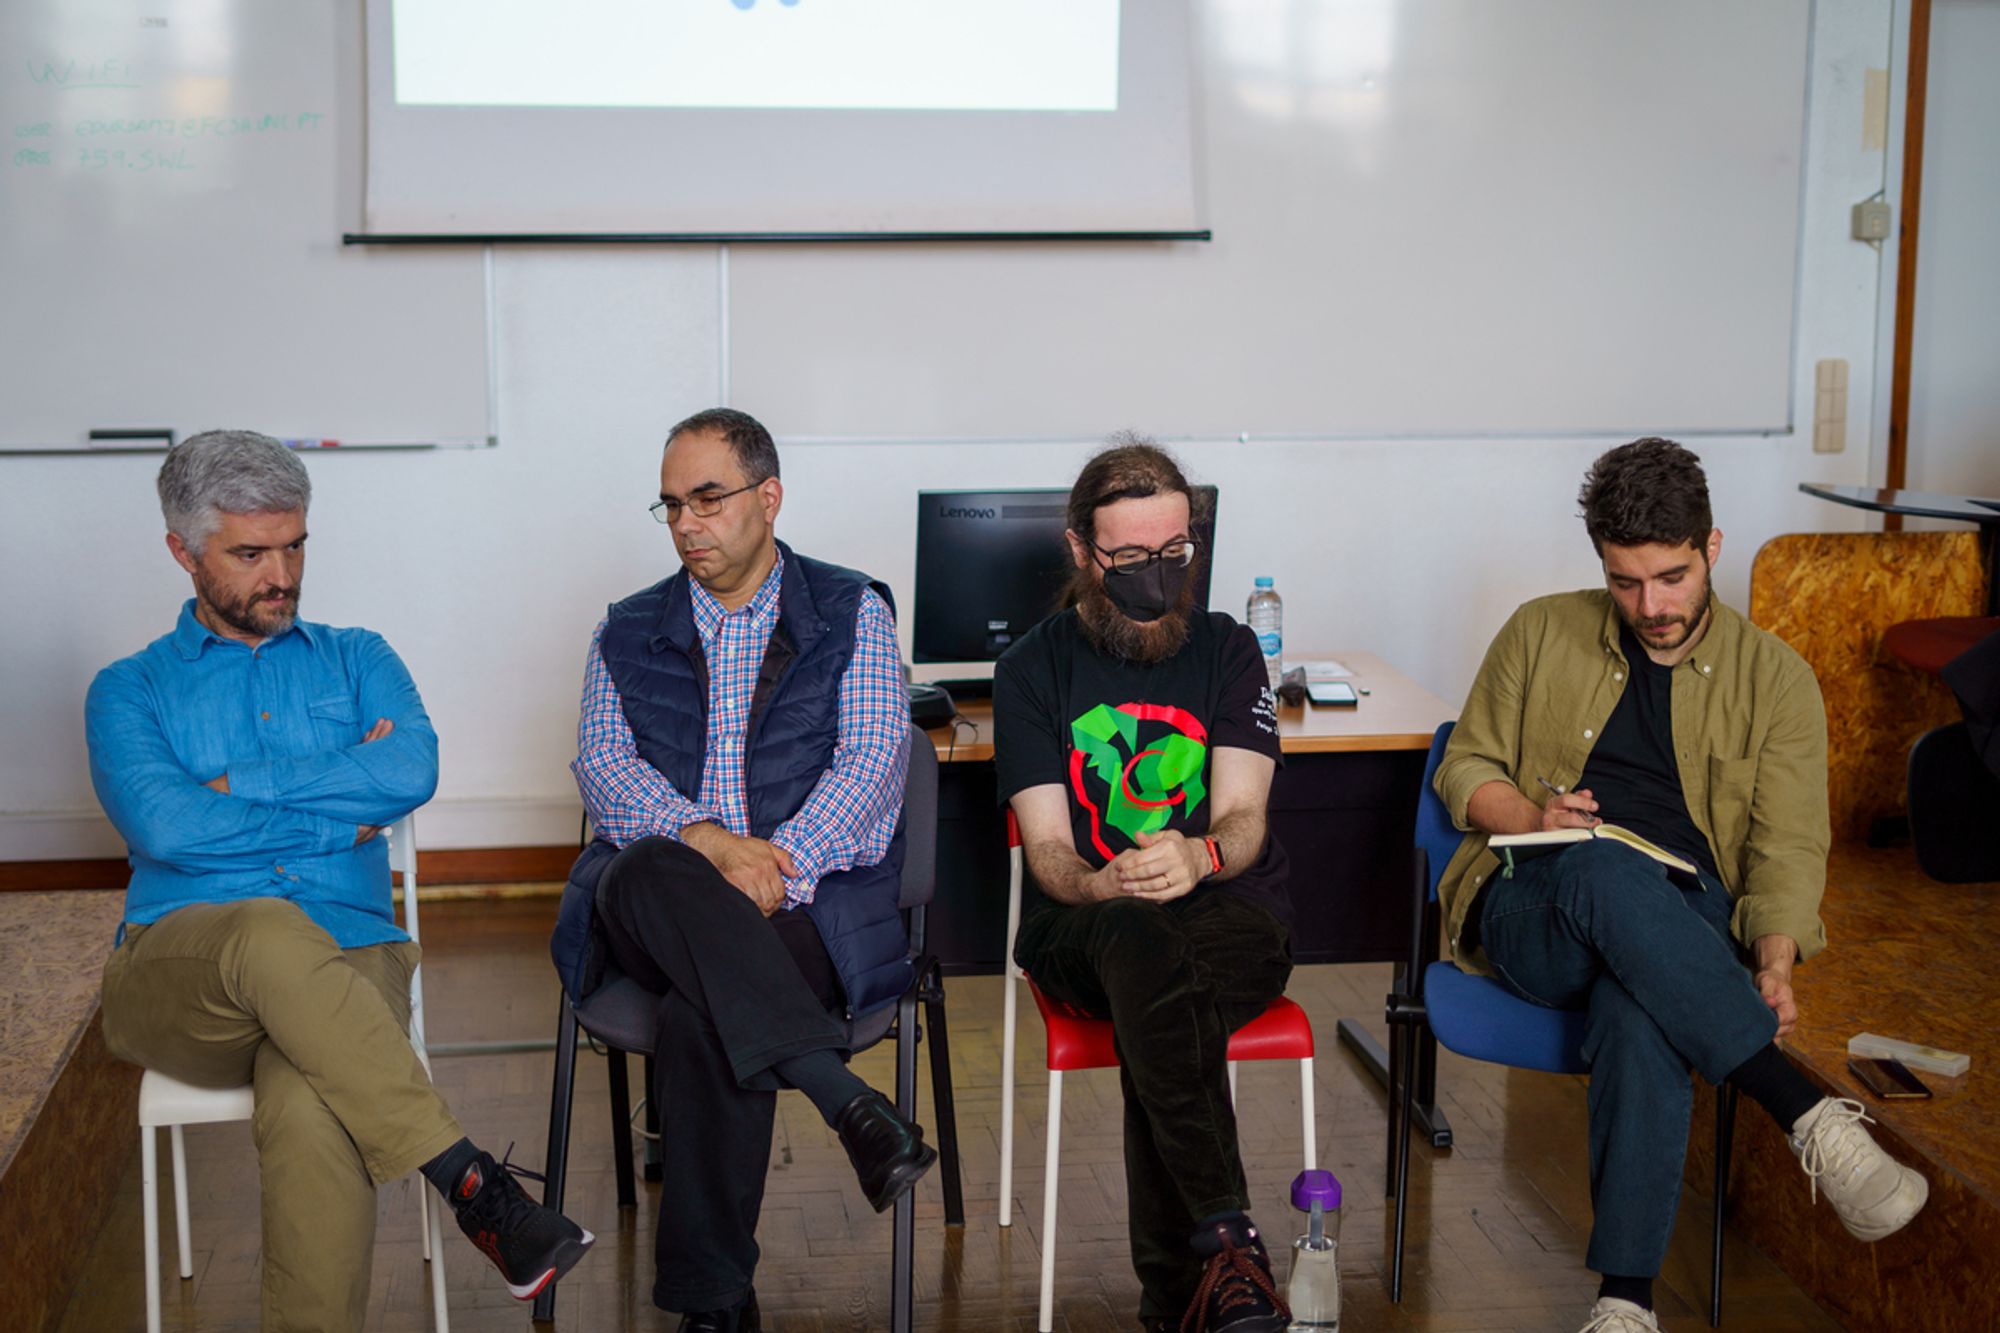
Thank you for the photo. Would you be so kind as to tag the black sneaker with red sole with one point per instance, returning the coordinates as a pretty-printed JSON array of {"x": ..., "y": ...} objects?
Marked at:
[{"x": 530, "y": 1244}]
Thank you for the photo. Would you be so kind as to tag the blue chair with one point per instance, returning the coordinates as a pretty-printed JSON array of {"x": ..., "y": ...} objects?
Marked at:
[{"x": 1481, "y": 1019}]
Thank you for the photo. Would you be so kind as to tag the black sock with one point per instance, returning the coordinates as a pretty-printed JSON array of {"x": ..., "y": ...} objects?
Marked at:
[
  {"x": 1769, "y": 1079},
  {"x": 1638, "y": 1290},
  {"x": 822, "y": 1076},
  {"x": 444, "y": 1169}
]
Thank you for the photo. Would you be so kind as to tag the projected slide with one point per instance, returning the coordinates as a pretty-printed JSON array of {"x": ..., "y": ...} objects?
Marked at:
[{"x": 895, "y": 55}]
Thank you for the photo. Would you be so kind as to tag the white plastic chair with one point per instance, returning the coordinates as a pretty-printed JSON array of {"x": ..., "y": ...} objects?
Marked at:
[
  {"x": 1281, "y": 1032},
  {"x": 169, "y": 1102}
]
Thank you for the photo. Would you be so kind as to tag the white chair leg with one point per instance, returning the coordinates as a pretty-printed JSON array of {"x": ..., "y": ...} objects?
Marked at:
[
  {"x": 1009, "y": 1006},
  {"x": 1232, "y": 1083},
  {"x": 1046, "y": 1319},
  {"x": 433, "y": 1223},
  {"x": 1310, "y": 1130},
  {"x": 181, "y": 1228},
  {"x": 149, "y": 1204},
  {"x": 424, "y": 1196}
]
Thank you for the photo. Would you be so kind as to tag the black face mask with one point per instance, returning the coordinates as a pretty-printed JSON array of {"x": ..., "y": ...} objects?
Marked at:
[{"x": 1146, "y": 594}]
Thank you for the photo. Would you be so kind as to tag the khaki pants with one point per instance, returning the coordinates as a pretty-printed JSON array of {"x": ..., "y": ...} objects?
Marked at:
[{"x": 223, "y": 994}]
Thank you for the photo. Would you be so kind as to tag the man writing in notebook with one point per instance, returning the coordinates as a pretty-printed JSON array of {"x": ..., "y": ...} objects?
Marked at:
[
  {"x": 1651, "y": 705},
  {"x": 250, "y": 760},
  {"x": 1135, "y": 736},
  {"x": 742, "y": 746}
]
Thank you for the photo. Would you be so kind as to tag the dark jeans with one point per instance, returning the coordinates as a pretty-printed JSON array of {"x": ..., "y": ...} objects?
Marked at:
[
  {"x": 1175, "y": 979},
  {"x": 1599, "y": 927},
  {"x": 738, "y": 993}
]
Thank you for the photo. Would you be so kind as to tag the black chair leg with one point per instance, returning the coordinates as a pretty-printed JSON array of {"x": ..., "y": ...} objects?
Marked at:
[
  {"x": 902, "y": 1268},
  {"x": 1405, "y": 1106},
  {"x": 652, "y": 1125},
  {"x": 1725, "y": 1140},
  {"x": 555, "y": 1163},
  {"x": 932, "y": 991},
  {"x": 621, "y": 1127},
  {"x": 1398, "y": 1072}
]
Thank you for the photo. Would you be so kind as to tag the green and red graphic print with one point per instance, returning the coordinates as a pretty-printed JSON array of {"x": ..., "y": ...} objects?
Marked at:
[{"x": 1137, "y": 790}]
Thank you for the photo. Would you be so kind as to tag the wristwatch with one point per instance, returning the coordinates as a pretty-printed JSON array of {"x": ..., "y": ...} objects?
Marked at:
[{"x": 1214, "y": 856}]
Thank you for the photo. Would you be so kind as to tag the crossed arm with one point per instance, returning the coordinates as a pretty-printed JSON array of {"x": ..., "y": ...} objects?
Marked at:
[
  {"x": 301, "y": 805},
  {"x": 1165, "y": 865},
  {"x": 848, "y": 819}
]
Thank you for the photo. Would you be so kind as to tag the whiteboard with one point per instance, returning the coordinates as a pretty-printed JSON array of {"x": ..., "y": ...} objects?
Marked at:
[
  {"x": 1431, "y": 217},
  {"x": 177, "y": 175}
]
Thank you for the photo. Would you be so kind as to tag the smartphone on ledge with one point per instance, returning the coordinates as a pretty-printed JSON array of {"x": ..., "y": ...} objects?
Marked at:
[
  {"x": 1891, "y": 1080},
  {"x": 1331, "y": 694}
]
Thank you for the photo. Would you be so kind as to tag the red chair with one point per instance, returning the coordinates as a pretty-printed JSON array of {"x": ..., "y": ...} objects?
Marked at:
[
  {"x": 1927, "y": 645},
  {"x": 1078, "y": 1041}
]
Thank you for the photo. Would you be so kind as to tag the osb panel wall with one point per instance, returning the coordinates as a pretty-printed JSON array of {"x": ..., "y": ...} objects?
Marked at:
[{"x": 1832, "y": 595}]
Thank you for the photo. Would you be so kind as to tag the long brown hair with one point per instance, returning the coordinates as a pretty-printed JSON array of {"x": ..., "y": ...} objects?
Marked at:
[{"x": 1129, "y": 467}]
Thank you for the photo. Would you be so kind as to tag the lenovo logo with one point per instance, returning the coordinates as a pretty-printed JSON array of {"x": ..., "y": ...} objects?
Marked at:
[{"x": 947, "y": 511}]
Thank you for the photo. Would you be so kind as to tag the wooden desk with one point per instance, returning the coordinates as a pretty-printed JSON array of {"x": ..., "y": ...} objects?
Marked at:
[{"x": 1396, "y": 713}]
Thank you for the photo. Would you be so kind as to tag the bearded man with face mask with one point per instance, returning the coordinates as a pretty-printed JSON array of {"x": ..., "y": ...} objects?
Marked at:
[{"x": 1135, "y": 740}]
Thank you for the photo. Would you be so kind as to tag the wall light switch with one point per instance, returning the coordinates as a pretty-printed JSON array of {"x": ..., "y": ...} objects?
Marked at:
[
  {"x": 1830, "y": 406},
  {"x": 1871, "y": 220}
]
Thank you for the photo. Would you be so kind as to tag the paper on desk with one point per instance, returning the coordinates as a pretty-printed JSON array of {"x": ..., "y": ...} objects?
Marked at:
[{"x": 1325, "y": 670}]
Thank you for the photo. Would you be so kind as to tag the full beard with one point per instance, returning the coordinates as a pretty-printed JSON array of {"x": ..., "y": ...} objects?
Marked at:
[
  {"x": 1688, "y": 623},
  {"x": 1112, "y": 632},
  {"x": 266, "y": 613}
]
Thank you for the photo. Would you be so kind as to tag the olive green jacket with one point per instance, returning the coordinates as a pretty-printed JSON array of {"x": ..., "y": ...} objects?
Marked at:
[{"x": 1749, "y": 732}]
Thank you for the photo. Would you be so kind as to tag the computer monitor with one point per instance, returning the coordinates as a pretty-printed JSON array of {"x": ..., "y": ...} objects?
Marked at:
[{"x": 993, "y": 564}]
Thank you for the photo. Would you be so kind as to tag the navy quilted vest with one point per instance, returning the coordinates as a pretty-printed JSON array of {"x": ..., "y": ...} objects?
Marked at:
[{"x": 654, "y": 654}]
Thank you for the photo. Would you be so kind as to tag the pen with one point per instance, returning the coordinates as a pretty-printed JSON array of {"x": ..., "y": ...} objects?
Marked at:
[{"x": 1553, "y": 789}]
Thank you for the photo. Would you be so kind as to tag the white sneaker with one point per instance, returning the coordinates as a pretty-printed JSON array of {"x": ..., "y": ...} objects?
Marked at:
[
  {"x": 1611, "y": 1315},
  {"x": 1873, "y": 1194}
]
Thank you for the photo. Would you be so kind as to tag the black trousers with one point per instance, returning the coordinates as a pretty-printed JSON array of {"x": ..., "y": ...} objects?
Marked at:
[
  {"x": 1175, "y": 979},
  {"x": 739, "y": 992}
]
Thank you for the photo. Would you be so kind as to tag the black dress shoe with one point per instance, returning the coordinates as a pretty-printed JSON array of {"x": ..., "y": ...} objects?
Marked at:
[
  {"x": 737, "y": 1319},
  {"x": 888, "y": 1152}
]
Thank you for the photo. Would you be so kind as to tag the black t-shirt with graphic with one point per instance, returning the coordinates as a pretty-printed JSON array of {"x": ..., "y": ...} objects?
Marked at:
[{"x": 1130, "y": 742}]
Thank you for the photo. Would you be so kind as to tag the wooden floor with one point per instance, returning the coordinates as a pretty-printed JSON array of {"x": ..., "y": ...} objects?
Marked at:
[{"x": 1497, "y": 1236}]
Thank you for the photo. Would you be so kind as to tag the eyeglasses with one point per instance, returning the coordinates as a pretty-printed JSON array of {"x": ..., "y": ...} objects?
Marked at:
[
  {"x": 1178, "y": 554},
  {"x": 702, "y": 504}
]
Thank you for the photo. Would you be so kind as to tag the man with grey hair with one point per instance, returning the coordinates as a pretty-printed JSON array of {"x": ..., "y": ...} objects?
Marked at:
[{"x": 249, "y": 759}]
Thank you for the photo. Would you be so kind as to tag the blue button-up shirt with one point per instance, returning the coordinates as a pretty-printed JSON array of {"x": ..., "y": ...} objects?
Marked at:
[{"x": 284, "y": 721}]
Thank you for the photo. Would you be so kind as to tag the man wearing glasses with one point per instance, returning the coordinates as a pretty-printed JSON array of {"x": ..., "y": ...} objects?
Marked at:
[
  {"x": 741, "y": 754},
  {"x": 1135, "y": 738}
]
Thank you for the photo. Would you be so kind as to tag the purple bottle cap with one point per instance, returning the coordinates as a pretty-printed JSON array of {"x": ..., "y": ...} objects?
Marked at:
[{"x": 1315, "y": 1187}]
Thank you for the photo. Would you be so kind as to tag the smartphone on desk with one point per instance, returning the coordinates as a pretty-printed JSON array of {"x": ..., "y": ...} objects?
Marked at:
[
  {"x": 1891, "y": 1080},
  {"x": 1331, "y": 694}
]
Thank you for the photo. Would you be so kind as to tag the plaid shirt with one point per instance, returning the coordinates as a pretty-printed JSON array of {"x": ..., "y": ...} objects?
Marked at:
[{"x": 851, "y": 815}]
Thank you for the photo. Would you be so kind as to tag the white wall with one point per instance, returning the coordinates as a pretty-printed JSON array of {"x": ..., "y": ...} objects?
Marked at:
[
  {"x": 487, "y": 569},
  {"x": 1955, "y": 353}
]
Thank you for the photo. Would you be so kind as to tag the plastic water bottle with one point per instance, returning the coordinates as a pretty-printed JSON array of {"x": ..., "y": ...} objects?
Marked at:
[
  {"x": 1266, "y": 615},
  {"x": 1314, "y": 1291}
]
